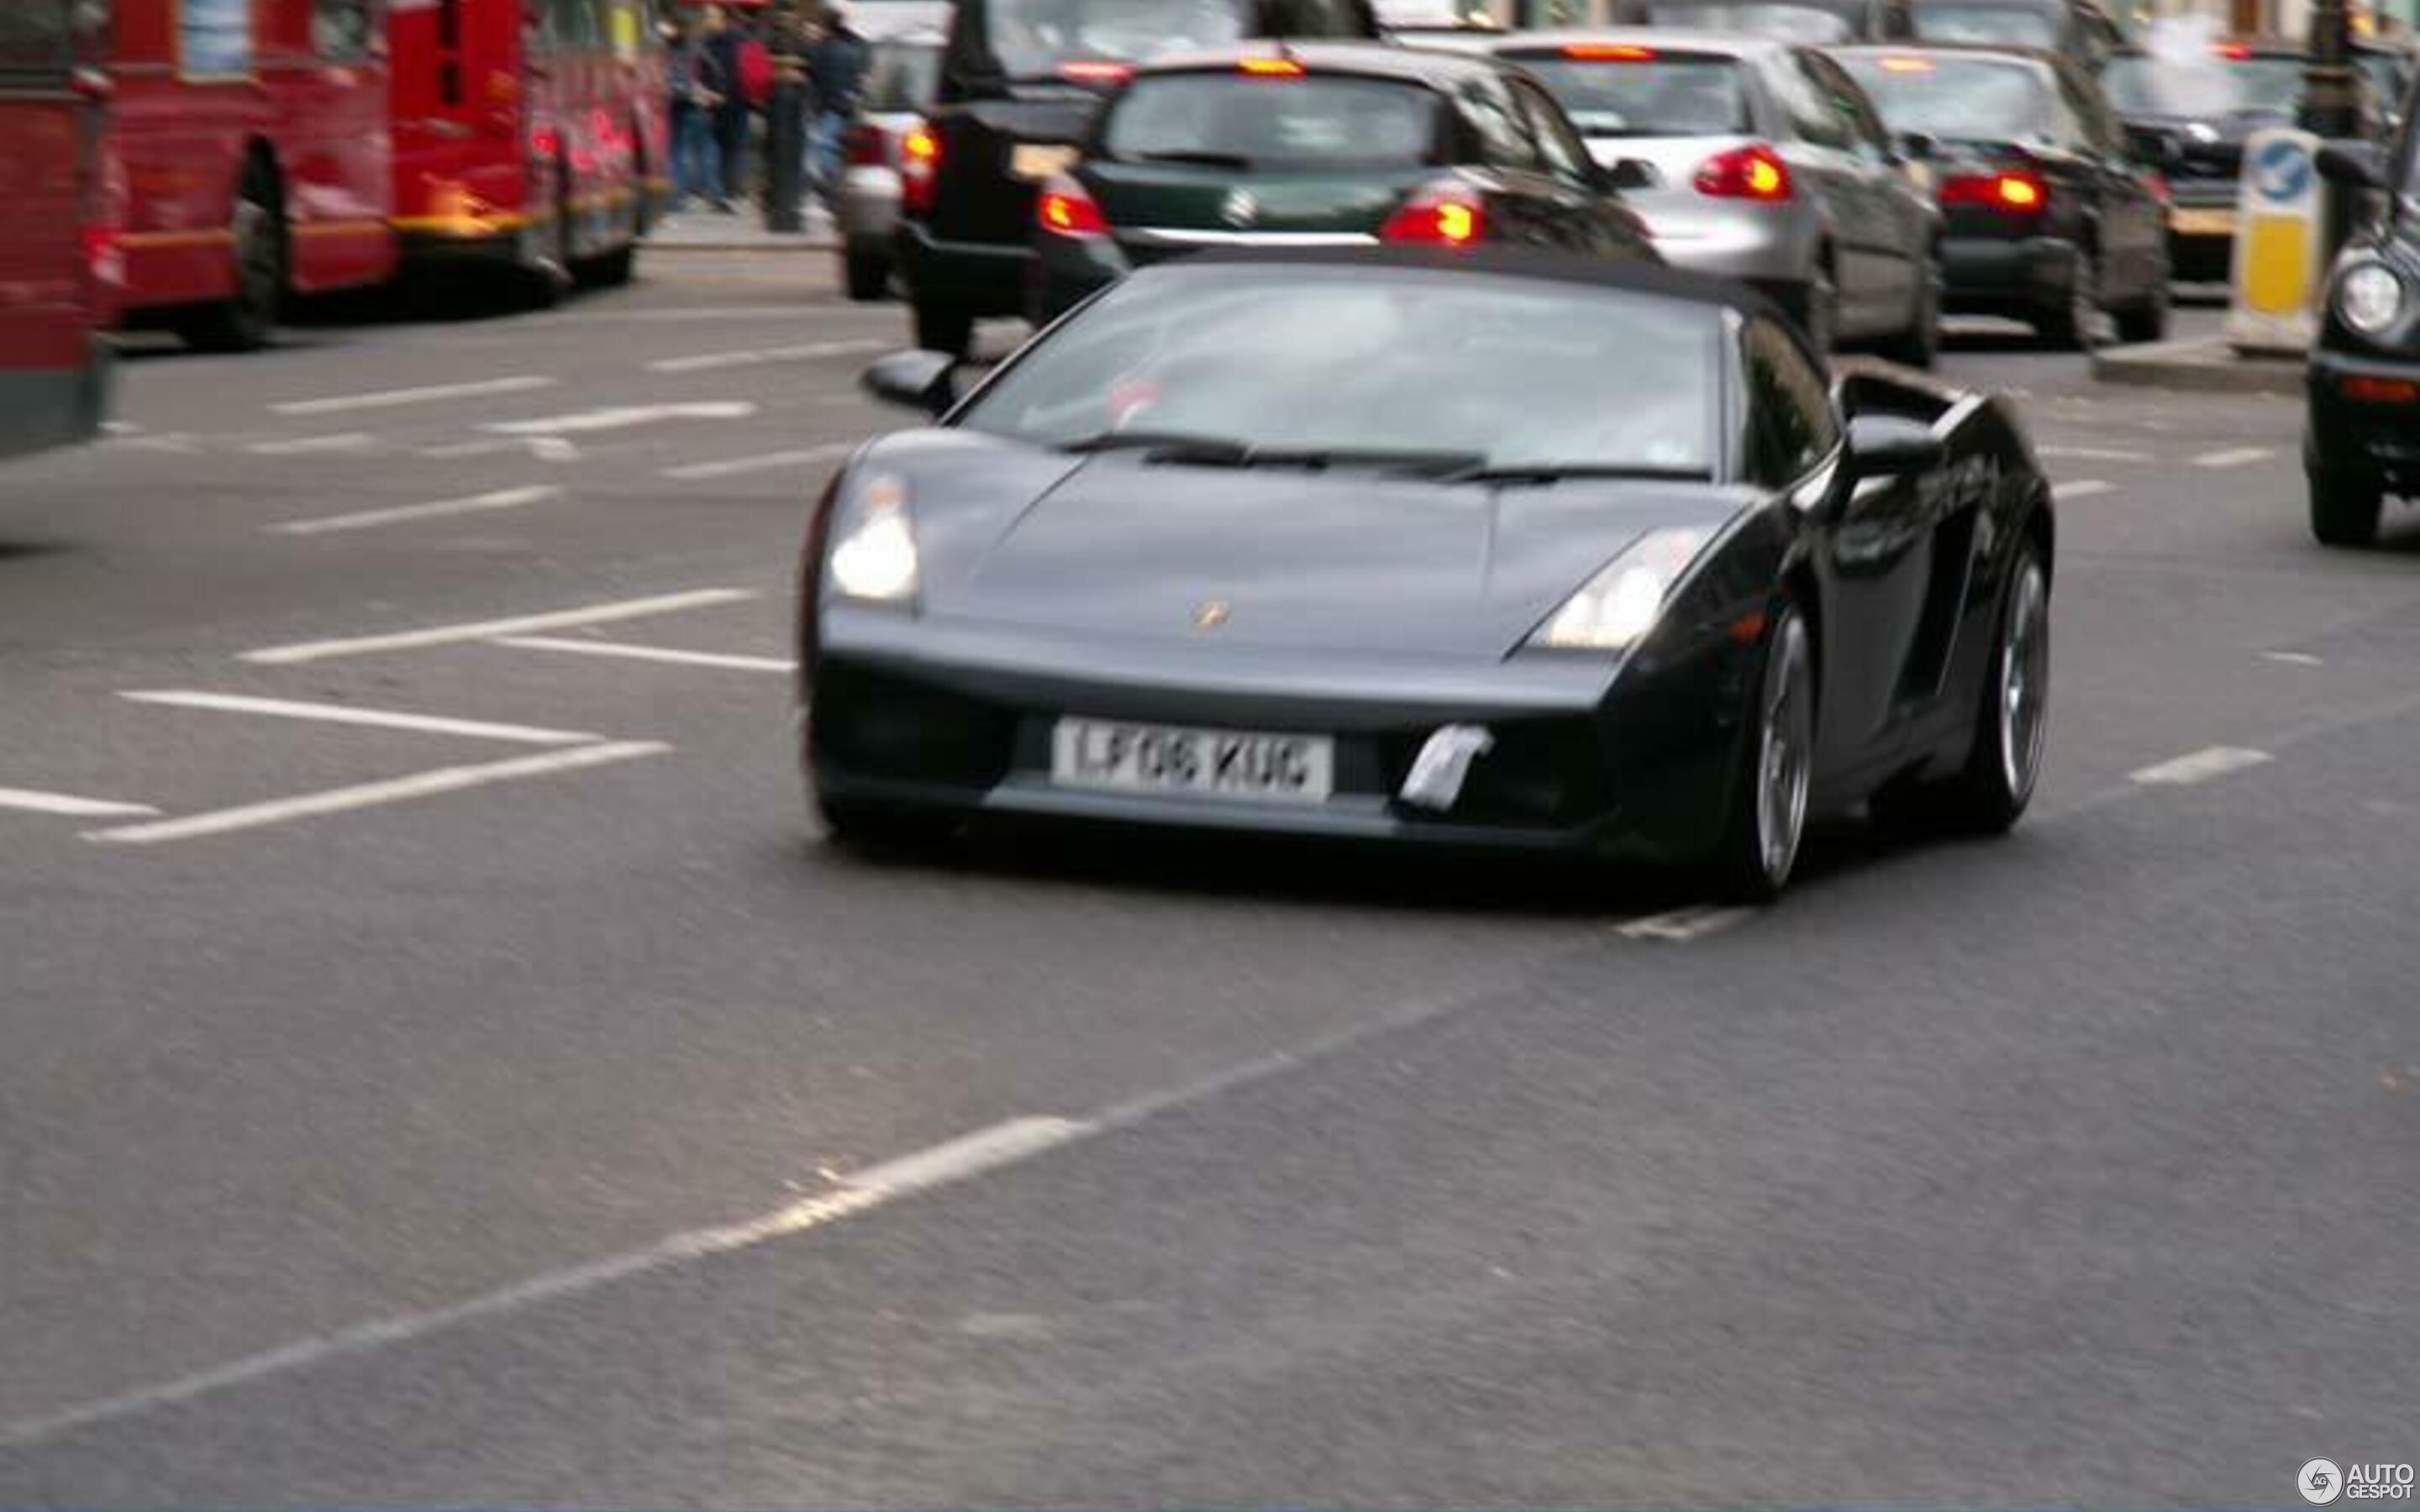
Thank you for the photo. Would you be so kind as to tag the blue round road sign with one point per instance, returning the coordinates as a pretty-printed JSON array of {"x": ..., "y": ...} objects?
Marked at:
[{"x": 2282, "y": 171}]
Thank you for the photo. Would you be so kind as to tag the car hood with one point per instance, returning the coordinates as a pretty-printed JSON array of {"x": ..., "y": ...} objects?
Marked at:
[{"x": 1347, "y": 561}]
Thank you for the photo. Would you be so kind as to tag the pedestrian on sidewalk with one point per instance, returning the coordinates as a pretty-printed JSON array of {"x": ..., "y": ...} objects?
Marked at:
[
  {"x": 724, "y": 43},
  {"x": 696, "y": 92},
  {"x": 836, "y": 75}
]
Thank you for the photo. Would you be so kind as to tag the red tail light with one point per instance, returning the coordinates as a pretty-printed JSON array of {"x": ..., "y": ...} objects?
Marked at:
[
  {"x": 1066, "y": 210},
  {"x": 1752, "y": 172},
  {"x": 1441, "y": 215},
  {"x": 2233, "y": 51},
  {"x": 1609, "y": 53},
  {"x": 1269, "y": 67},
  {"x": 919, "y": 167},
  {"x": 865, "y": 145},
  {"x": 2017, "y": 191},
  {"x": 1095, "y": 71}
]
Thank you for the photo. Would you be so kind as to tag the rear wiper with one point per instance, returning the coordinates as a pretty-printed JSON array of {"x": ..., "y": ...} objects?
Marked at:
[
  {"x": 1543, "y": 473},
  {"x": 1207, "y": 160}
]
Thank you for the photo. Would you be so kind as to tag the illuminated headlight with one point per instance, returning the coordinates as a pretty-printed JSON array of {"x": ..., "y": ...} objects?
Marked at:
[
  {"x": 2370, "y": 299},
  {"x": 1623, "y": 602},
  {"x": 875, "y": 556}
]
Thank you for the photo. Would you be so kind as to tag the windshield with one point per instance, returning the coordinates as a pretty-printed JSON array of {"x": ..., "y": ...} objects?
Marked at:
[
  {"x": 901, "y": 77},
  {"x": 2214, "y": 85},
  {"x": 1653, "y": 96},
  {"x": 1033, "y": 37},
  {"x": 1352, "y": 359},
  {"x": 1815, "y": 26},
  {"x": 2009, "y": 25},
  {"x": 1956, "y": 98},
  {"x": 1273, "y": 122}
]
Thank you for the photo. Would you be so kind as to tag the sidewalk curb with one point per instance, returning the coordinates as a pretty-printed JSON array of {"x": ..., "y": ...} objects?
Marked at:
[
  {"x": 788, "y": 247},
  {"x": 2206, "y": 366}
]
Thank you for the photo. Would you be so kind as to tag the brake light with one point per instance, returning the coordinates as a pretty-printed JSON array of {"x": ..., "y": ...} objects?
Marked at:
[
  {"x": 1906, "y": 65},
  {"x": 1609, "y": 53},
  {"x": 920, "y": 168},
  {"x": 1066, "y": 209},
  {"x": 1441, "y": 215},
  {"x": 1752, "y": 172},
  {"x": 865, "y": 145},
  {"x": 1270, "y": 67},
  {"x": 1095, "y": 71},
  {"x": 2233, "y": 51},
  {"x": 545, "y": 143},
  {"x": 2020, "y": 192},
  {"x": 2379, "y": 390}
]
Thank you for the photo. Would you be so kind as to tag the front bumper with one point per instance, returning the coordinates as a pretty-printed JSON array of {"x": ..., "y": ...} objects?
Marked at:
[
  {"x": 957, "y": 718},
  {"x": 2015, "y": 276},
  {"x": 2364, "y": 418},
  {"x": 984, "y": 278}
]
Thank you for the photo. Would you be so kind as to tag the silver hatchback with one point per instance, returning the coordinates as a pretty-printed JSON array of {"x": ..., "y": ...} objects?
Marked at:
[
  {"x": 1761, "y": 160},
  {"x": 903, "y": 70}
]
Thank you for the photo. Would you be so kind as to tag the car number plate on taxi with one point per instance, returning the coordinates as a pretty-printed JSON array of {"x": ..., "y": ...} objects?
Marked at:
[
  {"x": 1218, "y": 764},
  {"x": 2202, "y": 223},
  {"x": 1035, "y": 160}
]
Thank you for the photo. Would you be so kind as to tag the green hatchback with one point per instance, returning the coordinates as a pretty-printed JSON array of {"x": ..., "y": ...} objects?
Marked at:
[{"x": 1321, "y": 145}]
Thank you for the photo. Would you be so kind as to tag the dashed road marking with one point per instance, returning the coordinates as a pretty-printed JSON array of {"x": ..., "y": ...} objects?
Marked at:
[
  {"x": 2094, "y": 454},
  {"x": 2233, "y": 456},
  {"x": 1681, "y": 925},
  {"x": 805, "y": 352},
  {"x": 372, "y": 794},
  {"x": 368, "y": 518},
  {"x": 634, "y": 653},
  {"x": 2292, "y": 659},
  {"x": 958, "y": 1160},
  {"x": 68, "y": 803},
  {"x": 732, "y": 466},
  {"x": 351, "y": 440},
  {"x": 431, "y": 724},
  {"x": 622, "y": 417},
  {"x": 2200, "y": 767},
  {"x": 441, "y": 635},
  {"x": 2081, "y": 488},
  {"x": 390, "y": 398},
  {"x": 544, "y": 448}
]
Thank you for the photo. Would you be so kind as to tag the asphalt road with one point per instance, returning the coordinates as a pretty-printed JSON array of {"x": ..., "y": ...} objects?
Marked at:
[{"x": 572, "y": 1125}]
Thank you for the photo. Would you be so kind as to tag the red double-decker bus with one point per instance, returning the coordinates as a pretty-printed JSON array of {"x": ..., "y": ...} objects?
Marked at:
[
  {"x": 529, "y": 134},
  {"x": 255, "y": 139}
]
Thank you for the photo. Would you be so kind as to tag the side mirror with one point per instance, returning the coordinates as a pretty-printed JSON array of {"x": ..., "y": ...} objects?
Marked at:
[
  {"x": 2353, "y": 164},
  {"x": 914, "y": 379},
  {"x": 1891, "y": 446},
  {"x": 1916, "y": 147},
  {"x": 2153, "y": 148},
  {"x": 1629, "y": 172}
]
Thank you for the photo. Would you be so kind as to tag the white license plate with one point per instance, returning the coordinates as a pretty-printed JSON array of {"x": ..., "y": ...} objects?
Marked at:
[
  {"x": 1032, "y": 160},
  {"x": 2202, "y": 223},
  {"x": 1217, "y": 763}
]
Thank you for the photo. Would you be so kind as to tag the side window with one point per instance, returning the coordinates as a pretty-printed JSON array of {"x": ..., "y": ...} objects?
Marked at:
[
  {"x": 1799, "y": 93},
  {"x": 1790, "y": 423},
  {"x": 2080, "y": 124},
  {"x": 1866, "y": 136},
  {"x": 214, "y": 38},
  {"x": 343, "y": 31},
  {"x": 34, "y": 39},
  {"x": 1503, "y": 142},
  {"x": 540, "y": 34},
  {"x": 1559, "y": 143}
]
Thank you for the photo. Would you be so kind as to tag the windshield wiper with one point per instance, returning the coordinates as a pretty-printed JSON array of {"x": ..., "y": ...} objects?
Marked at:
[
  {"x": 1544, "y": 473},
  {"x": 1207, "y": 160},
  {"x": 1188, "y": 449},
  {"x": 1168, "y": 446}
]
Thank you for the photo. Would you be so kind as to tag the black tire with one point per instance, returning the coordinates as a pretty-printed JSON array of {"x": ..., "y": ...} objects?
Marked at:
[
  {"x": 247, "y": 320},
  {"x": 2147, "y": 319},
  {"x": 1991, "y": 792},
  {"x": 2344, "y": 509},
  {"x": 1752, "y": 861},
  {"x": 944, "y": 327},
  {"x": 611, "y": 270},
  {"x": 1920, "y": 345},
  {"x": 2070, "y": 325},
  {"x": 881, "y": 826},
  {"x": 868, "y": 275}
]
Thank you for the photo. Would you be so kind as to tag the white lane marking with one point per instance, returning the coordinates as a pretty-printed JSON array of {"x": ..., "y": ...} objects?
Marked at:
[
  {"x": 2234, "y": 456},
  {"x": 1681, "y": 925},
  {"x": 351, "y": 440},
  {"x": 68, "y": 803},
  {"x": 174, "y": 442},
  {"x": 544, "y": 448},
  {"x": 623, "y": 648},
  {"x": 2094, "y": 454},
  {"x": 958, "y": 1159},
  {"x": 495, "y": 629},
  {"x": 2082, "y": 488},
  {"x": 2200, "y": 767},
  {"x": 2292, "y": 659},
  {"x": 731, "y": 467},
  {"x": 366, "y": 518},
  {"x": 432, "y": 724},
  {"x": 390, "y": 398},
  {"x": 621, "y": 417},
  {"x": 371, "y": 795},
  {"x": 807, "y": 352}
]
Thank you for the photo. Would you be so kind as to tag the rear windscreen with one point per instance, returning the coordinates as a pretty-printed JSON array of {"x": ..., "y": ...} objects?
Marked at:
[
  {"x": 1956, "y": 98},
  {"x": 1248, "y": 121},
  {"x": 1817, "y": 25},
  {"x": 2008, "y": 25},
  {"x": 901, "y": 77},
  {"x": 1031, "y": 38},
  {"x": 1653, "y": 95}
]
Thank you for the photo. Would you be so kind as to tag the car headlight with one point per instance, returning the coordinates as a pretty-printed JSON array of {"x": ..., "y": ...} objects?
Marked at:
[
  {"x": 873, "y": 558},
  {"x": 1623, "y": 602},
  {"x": 2370, "y": 299}
]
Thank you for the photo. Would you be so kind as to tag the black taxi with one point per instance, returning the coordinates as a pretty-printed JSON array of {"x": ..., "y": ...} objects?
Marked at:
[{"x": 2363, "y": 440}]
